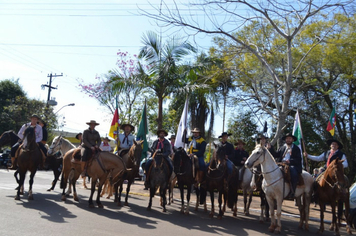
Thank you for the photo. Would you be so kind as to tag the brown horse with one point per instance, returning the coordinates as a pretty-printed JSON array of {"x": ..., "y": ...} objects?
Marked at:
[
  {"x": 132, "y": 161},
  {"x": 330, "y": 189},
  {"x": 28, "y": 159},
  {"x": 102, "y": 165}
]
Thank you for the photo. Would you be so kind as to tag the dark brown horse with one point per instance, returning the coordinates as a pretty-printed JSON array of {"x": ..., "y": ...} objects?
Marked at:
[
  {"x": 159, "y": 175},
  {"x": 330, "y": 189},
  {"x": 215, "y": 178},
  {"x": 184, "y": 170},
  {"x": 132, "y": 160},
  {"x": 28, "y": 159}
]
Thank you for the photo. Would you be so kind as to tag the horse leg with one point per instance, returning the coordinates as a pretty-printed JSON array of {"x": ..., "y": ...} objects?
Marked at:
[
  {"x": 181, "y": 189},
  {"x": 249, "y": 202},
  {"x": 279, "y": 213},
  {"x": 197, "y": 192},
  {"x": 92, "y": 190},
  {"x": 127, "y": 192},
  {"x": 119, "y": 194},
  {"x": 322, "y": 208},
  {"x": 20, "y": 181},
  {"x": 75, "y": 195},
  {"x": 98, "y": 202},
  {"x": 152, "y": 193},
  {"x": 271, "y": 209},
  {"x": 189, "y": 189},
  {"x": 32, "y": 175},
  {"x": 163, "y": 191},
  {"x": 221, "y": 213},
  {"x": 211, "y": 192},
  {"x": 17, "y": 179},
  {"x": 263, "y": 204},
  {"x": 301, "y": 211},
  {"x": 56, "y": 174},
  {"x": 306, "y": 203}
]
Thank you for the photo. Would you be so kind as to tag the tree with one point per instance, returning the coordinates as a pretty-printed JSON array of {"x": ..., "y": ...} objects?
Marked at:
[
  {"x": 278, "y": 25},
  {"x": 162, "y": 60}
]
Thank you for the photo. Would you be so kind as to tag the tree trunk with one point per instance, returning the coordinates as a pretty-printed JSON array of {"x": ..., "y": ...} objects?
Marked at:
[{"x": 160, "y": 113}]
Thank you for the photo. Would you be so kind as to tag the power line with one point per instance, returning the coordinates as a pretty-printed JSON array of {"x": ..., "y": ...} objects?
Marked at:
[{"x": 67, "y": 45}]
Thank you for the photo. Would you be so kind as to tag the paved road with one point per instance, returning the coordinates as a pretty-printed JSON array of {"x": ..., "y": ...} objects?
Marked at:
[{"x": 48, "y": 215}]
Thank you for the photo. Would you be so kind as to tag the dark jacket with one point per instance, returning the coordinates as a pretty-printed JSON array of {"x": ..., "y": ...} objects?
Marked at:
[
  {"x": 199, "y": 150},
  {"x": 295, "y": 158},
  {"x": 166, "y": 147},
  {"x": 238, "y": 157},
  {"x": 337, "y": 154},
  {"x": 91, "y": 138},
  {"x": 44, "y": 134},
  {"x": 229, "y": 150}
]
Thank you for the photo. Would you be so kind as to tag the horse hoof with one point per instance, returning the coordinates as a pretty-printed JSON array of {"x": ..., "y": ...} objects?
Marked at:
[
  {"x": 186, "y": 213},
  {"x": 261, "y": 221},
  {"x": 219, "y": 217},
  {"x": 100, "y": 206},
  {"x": 108, "y": 197},
  {"x": 277, "y": 232},
  {"x": 271, "y": 229},
  {"x": 247, "y": 214},
  {"x": 17, "y": 198},
  {"x": 115, "y": 200},
  {"x": 164, "y": 210},
  {"x": 21, "y": 193},
  {"x": 17, "y": 188},
  {"x": 148, "y": 208},
  {"x": 331, "y": 228},
  {"x": 30, "y": 197},
  {"x": 76, "y": 199},
  {"x": 91, "y": 205},
  {"x": 234, "y": 214},
  {"x": 49, "y": 190},
  {"x": 63, "y": 198},
  {"x": 211, "y": 215},
  {"x": 126, "y": 204},
  {"x": 119, "y": 204},
  {"x": 196, "y": 209}
]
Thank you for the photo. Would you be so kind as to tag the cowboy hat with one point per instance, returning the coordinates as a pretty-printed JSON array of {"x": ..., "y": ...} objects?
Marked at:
[
  {"x": 224, "y": 133},
  {"x": 260, "y": 136},
  {"x": 77, "y": 136},
  {"x": 35, "y": 116},
  {"x": 336, "y": 141},
  {"x": 124, "y": 125},
  {"x": 172, "y": 136},
  {"x": 196, "y": 130},
  {"x": 289, "y": 135},
  {"x": 106, "y": 138},
  {"x": 162, "y": 130},
  {"x": 240, "y": 141},
  {"x": 92, "y": 122}
]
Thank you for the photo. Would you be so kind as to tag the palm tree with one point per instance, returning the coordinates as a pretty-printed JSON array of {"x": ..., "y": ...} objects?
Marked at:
[{"x": 161, "y": 73}]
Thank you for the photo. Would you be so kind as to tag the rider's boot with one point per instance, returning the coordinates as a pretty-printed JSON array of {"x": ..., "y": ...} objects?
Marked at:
[{"x": 83, "y": 165}]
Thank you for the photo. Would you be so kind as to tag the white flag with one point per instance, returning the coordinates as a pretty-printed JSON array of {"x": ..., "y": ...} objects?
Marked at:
[
  {"x": 297, "y": 132},
  {"x": 182, "y": 126}
]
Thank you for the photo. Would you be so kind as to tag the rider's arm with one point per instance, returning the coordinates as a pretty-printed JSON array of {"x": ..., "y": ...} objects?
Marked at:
[
  {"x": 345, "y": 163},
  {"x": 38, "y": 133},
  {"x": 317, "y": 158},
  {"x": 22, "y": 130}
]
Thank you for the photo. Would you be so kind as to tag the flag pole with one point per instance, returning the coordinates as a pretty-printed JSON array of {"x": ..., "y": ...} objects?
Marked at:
[
  {"x": 118, "y": 128},
  {"x": 305, "y": 158}
]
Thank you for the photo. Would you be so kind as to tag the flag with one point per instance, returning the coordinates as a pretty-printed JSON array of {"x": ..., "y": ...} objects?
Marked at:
[
  {"x": 115, "y": 123},
  {"x": 332, "y": 122},
  {"x": 297, "y": 132},
  {"x": 180, "y": 137},
  {"x": 142, "y": 132}
]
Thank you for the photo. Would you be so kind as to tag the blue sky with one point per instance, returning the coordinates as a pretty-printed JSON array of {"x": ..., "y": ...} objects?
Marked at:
[{"x": 79, "y": 39}]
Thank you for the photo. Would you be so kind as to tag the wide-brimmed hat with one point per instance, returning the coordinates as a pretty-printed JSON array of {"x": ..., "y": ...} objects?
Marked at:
[
  {"x": 196, "y": 130},
  {"x": 336, "y": 141},
  {"x": 124, "y": 125},
  {"x": 92, "y": 122},
  {"x": 35, "y": 116},
  {"x": 162, "y": 130},
  {"x": 106, "y": 138},
  {"x": 260, "y": 136},
  {"x": 77, "y": 136},
  {"x": 224, "y": 133},
  {"x": 172, "y": 136},
  {"x": 42, "y": 121},
  {"x": 240, "y": 141},
  {"x": 289, "y": 135}
]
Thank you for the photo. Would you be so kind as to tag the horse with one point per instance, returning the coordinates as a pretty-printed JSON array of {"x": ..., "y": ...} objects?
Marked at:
[
  {"x": 102, "y": 165},
  {"x": 276, "y": 189},
  {"x": 215, "y": 178},
  {"x": 184, "y": 170},
  {"x": 132, "y": 162},
  {"x": 330, "y": 189},
  {"x": 158, "y": 175},
  {"x": 58, "y": 148},
  {"x": 28, "y": 160},
  {"x": 256, "y": 184}
]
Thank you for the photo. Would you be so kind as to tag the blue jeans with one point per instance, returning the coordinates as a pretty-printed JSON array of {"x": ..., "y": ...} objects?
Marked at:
[
  {"x": 229, "y": 165},
  {"x": 294, "y": 177},
  {"x": 202, "y": 164}
]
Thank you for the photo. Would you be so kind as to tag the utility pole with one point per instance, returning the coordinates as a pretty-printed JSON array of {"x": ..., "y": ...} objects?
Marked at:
[{"x": 50, "y": 87}]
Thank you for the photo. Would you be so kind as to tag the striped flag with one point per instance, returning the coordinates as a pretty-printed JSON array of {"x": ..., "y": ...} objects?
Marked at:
[
  {"x": 115, "y": 123},
  {"x": 180, "y": 137},
  {"x": 142, "y": 132},
  {"x": 332, "y": 122},
  {"x": 297, "y": 132}
]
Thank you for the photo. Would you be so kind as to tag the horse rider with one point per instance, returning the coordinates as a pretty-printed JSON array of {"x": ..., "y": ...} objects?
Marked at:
[
  {"x": 263, "y": 141},
  {"x": 172, "y": 139},
  {"x": 196, "y": 147},
  {"x": 229, "y": 151},
  {"x": 105, "y": 146},
  {"x": 39, "y": 136},
  {"x": 90, "y": 144},
  {"x": 79, "y": 136},
  {"x": 160, "y": 146},
  {"x": 44, "y": 131},
  {"x": 328, "y": 157},
  {"x": 125, "y": 139},
  {"x": 240, "y": 156},
  {"x": 290, "y": 154}
]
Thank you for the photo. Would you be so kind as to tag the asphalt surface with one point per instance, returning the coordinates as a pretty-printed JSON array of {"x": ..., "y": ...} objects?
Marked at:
[{"x": 48, "y": 215}]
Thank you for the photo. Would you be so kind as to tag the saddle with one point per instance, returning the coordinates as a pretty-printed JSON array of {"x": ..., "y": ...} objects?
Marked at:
[
  {"x": 122, "y": 152},
  {"x": 286, "y": 174}
]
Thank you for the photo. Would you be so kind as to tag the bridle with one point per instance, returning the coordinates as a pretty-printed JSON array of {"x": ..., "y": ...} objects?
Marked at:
[{"x": 337, "y": 180}]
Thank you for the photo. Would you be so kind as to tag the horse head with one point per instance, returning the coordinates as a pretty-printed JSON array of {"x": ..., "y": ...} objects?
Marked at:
[
  {"x": 219, "y": 156},
  {"x": 30, "y": 136},
  {"x": 180, "y": 157},
  {"x": 256, "y": 157},
  {"x": 135, "y": 152},
  {"x": 55, "y": 146},
  {"x": 335, "y": 172}
]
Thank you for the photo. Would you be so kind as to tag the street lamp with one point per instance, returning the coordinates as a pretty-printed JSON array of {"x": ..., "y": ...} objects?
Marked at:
[{"x": 68, "y": 105}]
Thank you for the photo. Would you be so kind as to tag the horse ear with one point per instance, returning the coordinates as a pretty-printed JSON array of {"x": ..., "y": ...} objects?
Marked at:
[
  {"x": 135, "y": 142},
  {"x": 215, "y": 145}
]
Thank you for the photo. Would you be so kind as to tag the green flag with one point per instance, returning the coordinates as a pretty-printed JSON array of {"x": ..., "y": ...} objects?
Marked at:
[{"x": 142, "y": 132}]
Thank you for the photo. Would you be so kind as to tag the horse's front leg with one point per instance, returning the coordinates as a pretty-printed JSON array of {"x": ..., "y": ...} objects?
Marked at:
[
  {"x": 301, "y": 211},
  {"x": 334, "y": 219},
  {"x": 152, "y": 193},
  {"x": 189, "y": 189},
  {"x": 271, "y": 203},
  {"x": 21, "y": 182},
  {"x": 119, "y": 194},
  {"x": 163, "y": 191},
  {"x": 197, "y": 192},
  {"x": 221, "y": 212},
  {"x": 279, "y": 213},
  {"x": 127, "y": 192},
  {"x": 56, "y": 174},
  {"x": 322, "y": 209},
  {"x": 211, "y": 192},
  {"x": 306, "y": 208},
  {"x": 92, "y": 190},
  {"x": 181, "y": 190},
  {"x": 32, "y": 175},
  {"x": 98, "y": 202}
]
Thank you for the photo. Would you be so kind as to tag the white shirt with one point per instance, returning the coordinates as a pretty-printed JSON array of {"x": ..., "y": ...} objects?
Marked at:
[
  {"x": 105, "y": 147},
  {"x": 288, "y": 152},
  {"x": 38, "y": 131},
  {"x": 126, "y": 143},
  {"x": 322, "y": 157}
]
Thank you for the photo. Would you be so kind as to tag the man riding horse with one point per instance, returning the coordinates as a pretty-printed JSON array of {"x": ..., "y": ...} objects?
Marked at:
[
  {"x": 39, "y": 136},
  {"x": 125, "y": 139},
  {"x": 290, "y": 154},
  {"x": 229, "y": 151},
  {"x": 160, "y": 146}
]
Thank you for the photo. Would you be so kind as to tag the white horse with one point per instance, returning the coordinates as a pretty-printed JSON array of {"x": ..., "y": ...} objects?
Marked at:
[
  {"x": 276, "y": 189},
  {"x": 62, "y": 145}
]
